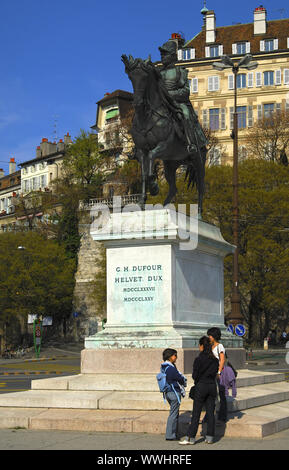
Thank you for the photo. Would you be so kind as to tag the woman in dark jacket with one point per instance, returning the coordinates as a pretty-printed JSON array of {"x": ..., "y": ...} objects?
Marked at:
[{"x": 205, "y": 369}]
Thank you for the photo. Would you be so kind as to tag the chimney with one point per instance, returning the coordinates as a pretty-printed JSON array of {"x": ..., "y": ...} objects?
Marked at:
[
  {"x": 210, "y": 27},
  {"x": 60, "y": 145},
  {"x": 67, "y": 139},
  {"x": 260, "y": 20},
  {"x": 38, "y": 152},
  {"x": 47, "y": 148},
  {"x": 1, "y": 173},
  {"x": 178, "y": 39},
  {"x": 44, "y": 146},
  {"x": 12, "y": 166}
]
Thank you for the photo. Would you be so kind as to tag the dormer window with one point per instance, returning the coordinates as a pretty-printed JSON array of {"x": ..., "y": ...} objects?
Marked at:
[
  {"x": 186, "y": 54},
  {"x": 268, "y": 45},
  {"x": 241, "y": 48},
  {"x": 214, "y": 51}
]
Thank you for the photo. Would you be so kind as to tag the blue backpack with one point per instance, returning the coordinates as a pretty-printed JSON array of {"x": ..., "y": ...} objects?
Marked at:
[{"x": 163, "y": 385}]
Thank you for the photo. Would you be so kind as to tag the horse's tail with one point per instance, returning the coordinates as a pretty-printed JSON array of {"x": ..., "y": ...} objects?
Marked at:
[{"x": 191, "y": 176}]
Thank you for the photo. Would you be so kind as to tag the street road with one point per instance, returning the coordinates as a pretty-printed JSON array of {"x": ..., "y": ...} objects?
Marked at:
[{"x": 16, "y": 375}]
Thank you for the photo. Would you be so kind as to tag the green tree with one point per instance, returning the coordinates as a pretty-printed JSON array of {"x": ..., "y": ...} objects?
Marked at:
[{"x": 36, "y": 279}]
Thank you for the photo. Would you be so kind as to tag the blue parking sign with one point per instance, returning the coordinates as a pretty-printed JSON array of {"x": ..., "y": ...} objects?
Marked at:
[{"x": 240, "y": 330}]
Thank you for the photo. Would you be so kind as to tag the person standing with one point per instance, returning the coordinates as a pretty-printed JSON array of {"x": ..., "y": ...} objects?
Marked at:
[
  {"x": 204, "y": 374},
  {"x": 176, "y": 381},
  {"x": 219, "y": 352}
]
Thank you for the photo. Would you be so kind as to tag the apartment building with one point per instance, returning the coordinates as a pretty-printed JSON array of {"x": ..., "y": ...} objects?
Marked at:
[
  {"x": 39, "y": 172},
  {"x": 112, "y": 122},
  {"x": 259, "y": 92}
]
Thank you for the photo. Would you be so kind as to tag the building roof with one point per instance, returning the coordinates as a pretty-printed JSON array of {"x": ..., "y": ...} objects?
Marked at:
[
  {"x": 5, "y": 181},
  {"x": 228, "y": 35},
  {"x": 126, "y": 95},
  {"x": 50, "y": 156}
]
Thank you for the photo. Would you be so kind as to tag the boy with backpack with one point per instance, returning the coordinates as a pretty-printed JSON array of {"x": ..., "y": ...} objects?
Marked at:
[{"x": 171, "y": 383}]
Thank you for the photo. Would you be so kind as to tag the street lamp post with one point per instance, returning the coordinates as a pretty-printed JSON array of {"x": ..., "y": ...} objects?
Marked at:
[{"x": 226, "y": 62}]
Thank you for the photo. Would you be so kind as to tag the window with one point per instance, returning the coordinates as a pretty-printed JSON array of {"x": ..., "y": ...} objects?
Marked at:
[
  {"x": 286, "y": 76},
  {"x": 242, "y": 117},
  {"x": 214, "y": 157},
  {"x": 214, "y": 51},
  {"x": 268, "y": 78},
  {"x": 43, "y": 181},
  {"x": 269, "y": 45},
  {"x": 241, "y": 80},
  {"x": 241, "y": 48},
  {"x": 194, "y": 85},
  {"x": 268, "y": 109},
  {"x": 111, "y": 113},
  {"x": 214, "y": 83},
  {"x": 187, "y": 54},
  {"x": 214, "y": 119}
]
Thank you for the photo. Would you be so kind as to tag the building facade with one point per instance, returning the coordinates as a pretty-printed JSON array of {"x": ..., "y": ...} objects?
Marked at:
[
  {"x": 260, "y": 92},
  {"x": 10, "y": 189}
]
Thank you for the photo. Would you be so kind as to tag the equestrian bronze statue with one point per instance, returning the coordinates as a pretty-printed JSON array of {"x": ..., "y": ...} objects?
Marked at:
[{"x": 165, "y": 125}]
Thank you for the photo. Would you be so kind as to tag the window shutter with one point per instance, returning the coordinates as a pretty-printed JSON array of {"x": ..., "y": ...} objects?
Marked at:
[
  {"x": 262, "y": 46},
  {"x": 286, "y": 76},
  {"x": 223, "y": 118},
  {"x": 260, "y": 112},
  {"x": 207, "y": 51},
  {"x": 221, "y": 50},
  {"x": 216, "y": 83},
  {"x": 205, "y": 118},
  {"x": 250, "y": 116},
  {"x": 248, "y": 47},
  {"x": 278, "y": 108},
  {"x": 231, "y": 118},
  {"x": 275, "y": 44},
  {"x": 250, "y": 80},
  {"x": 180, "y": 54},
  {"x": 231, "y": 82},
  {"x": 277, "y": 77},
  {"x": 193, "y": 53},
  {"x": 258, "y": 79},
  {"x": 234, "y": 48},
  {"x": 195, "y": 85},
  {"x": 210, "y": 83}
]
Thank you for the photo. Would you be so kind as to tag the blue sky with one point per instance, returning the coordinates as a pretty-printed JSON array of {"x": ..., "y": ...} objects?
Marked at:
[{"x": 59, "y": 57}]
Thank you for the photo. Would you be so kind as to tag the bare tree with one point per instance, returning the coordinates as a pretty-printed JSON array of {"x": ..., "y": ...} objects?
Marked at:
[{"x": 269, "y": 137}]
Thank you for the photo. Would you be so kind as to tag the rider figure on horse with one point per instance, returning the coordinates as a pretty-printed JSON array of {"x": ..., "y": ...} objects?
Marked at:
[{"x": 176, "y": 91}]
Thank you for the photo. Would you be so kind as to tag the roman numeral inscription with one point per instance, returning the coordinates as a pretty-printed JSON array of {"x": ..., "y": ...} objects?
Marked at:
[{"x": 136, "y": 287}]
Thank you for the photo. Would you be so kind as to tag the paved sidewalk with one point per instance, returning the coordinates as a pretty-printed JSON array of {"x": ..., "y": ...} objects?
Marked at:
[{"x": 22, "y": 439}]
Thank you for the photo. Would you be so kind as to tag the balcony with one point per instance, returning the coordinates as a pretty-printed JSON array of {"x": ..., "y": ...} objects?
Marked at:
[{"x": 108, "y": 201}]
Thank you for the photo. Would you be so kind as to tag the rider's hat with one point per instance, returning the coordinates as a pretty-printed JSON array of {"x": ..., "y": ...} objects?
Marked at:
[{"x": 169, "y": 46}]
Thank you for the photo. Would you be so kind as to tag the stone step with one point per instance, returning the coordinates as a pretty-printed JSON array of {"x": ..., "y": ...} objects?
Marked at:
[
  {"x": 247, "y": 397},
  {"x": 138, "y": 382},
  {"x": 256, "y": 422}
]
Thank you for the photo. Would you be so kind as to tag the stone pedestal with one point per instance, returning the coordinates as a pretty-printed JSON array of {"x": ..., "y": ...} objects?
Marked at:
[{"x": 165, "y": 286}]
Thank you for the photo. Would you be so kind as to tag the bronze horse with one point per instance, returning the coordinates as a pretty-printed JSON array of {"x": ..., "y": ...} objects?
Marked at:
[{"x": 158, "y": 135}]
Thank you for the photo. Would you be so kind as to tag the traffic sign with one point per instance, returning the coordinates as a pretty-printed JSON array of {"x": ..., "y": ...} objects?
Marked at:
[
  {"x": 230, "y": 329},
  {"x": 240, "y": 330}
]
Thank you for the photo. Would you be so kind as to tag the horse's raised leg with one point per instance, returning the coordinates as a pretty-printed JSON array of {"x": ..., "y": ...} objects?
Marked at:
[{"x": 170, "y": 175}]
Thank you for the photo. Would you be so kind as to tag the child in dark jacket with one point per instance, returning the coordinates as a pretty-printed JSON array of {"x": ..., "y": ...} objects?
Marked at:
[
  {"x": 176, "y": 381},
  {"x": 205, "y": 369}
]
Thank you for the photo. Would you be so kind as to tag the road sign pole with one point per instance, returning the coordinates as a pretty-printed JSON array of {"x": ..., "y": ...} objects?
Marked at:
[{"x": 37, "y": 335}]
